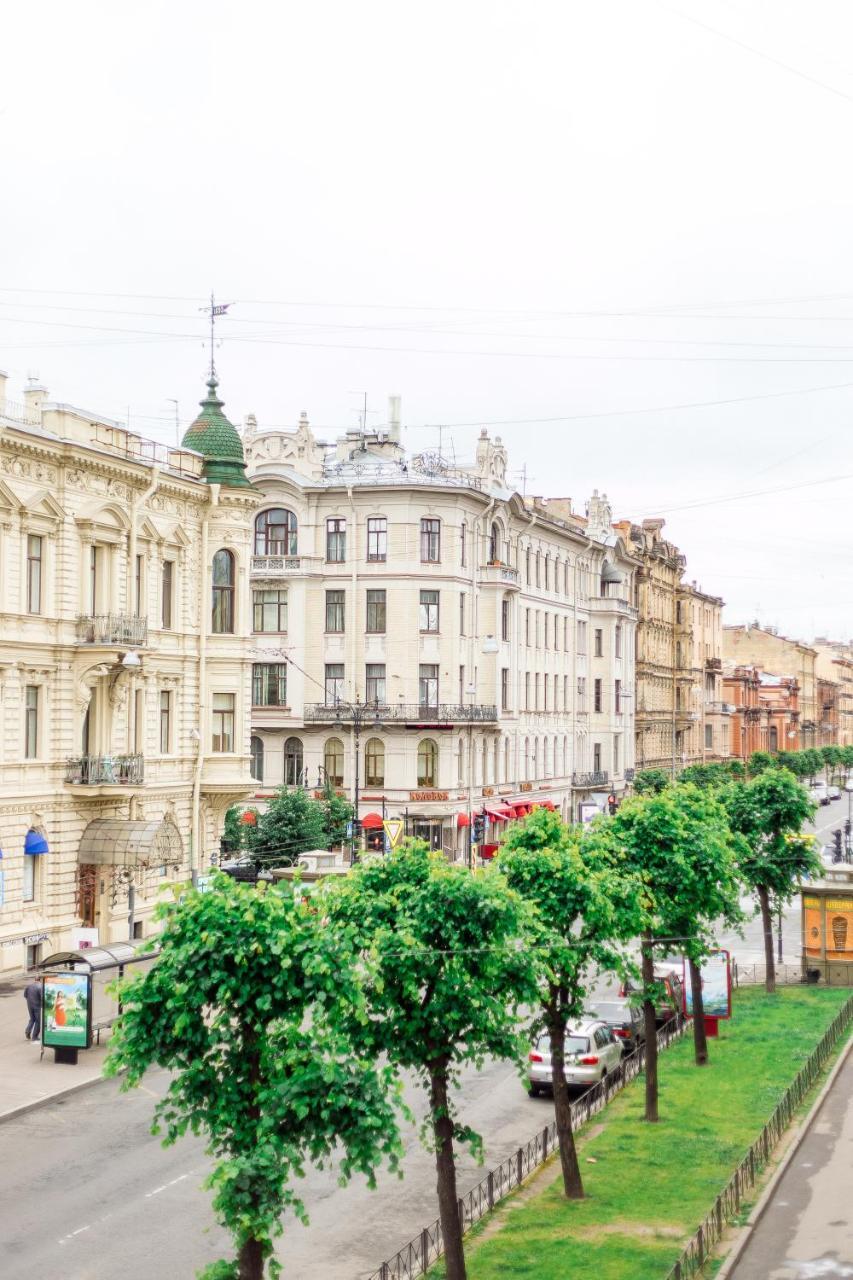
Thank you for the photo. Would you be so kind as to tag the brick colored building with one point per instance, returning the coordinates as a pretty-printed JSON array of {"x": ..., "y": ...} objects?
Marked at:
[
  {"x": 765, "y": 712},
  {"x": 765, "y": 649}
]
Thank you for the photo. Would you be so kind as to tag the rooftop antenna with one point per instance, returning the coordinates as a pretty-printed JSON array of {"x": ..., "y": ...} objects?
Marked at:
[
  {"x": 362, "y": 412},
  {"x": 213, "y": 310}
]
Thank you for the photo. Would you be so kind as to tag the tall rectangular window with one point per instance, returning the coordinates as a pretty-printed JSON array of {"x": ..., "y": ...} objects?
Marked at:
[
  {"x": 597, "y": 696},
  {"x": 167, "y": 587},
  {"x": 429, "y": 611},
  {"x": 35, "y": 546},
  {"x": 617, "y": 752},
  {"x": 504, "y": 620},
  {"x": 334, "y": 683},
  {"x": 565, "y": 693},
  {"x": 428, "y": 684},
  {"x": 138, "y": 720},
  {"x": 269, "y": 684},
  {"x": 30, "y": 873},
  {"x": 463, "y": 537},
  {"x": 139, "y": 585},
  {"x": 31, "y": 721},
  {"x": 581, "y": 693},
  {"x": 527, "y": 691},
  {"x": 617, "y": 696},
  {"x": 617, "y": 640},
  {"x": 336, "y": 541},
  {"x": 377, "y": 538},
  {"x": 461, "y": 613},
  {"x": 269, "y": 610},
  {"x": 374, "y": 679},
  {"x": 596, "y": 757},
  {"x": 94, "y": 565},
  {"x": 527, "y": 627},
  {"x": 165, "y": 721},
  {"x": 223, "y": 723},
  {"x": 376, "y": 612},
  {"x": 335, "y": 610},
  {"x": 546, "y": 680},
  {"x": 536, "y": 703},
  {"x": 505, "y": 688},
  {"x": 599, "y": 643},
  {"x": 709, "y": 735},
  {"x": 461, "y": 686},
  {"x": 430, "y": 540},
  {"x": 582, "y": 637}
]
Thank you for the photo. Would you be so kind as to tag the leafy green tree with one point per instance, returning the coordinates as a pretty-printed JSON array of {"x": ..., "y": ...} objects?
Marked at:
[
  {"x": 769, "y": 812},
  {"x": 246, "y": 1007},
  {"x": 813, "y": 760},
  {"x": 291, "y": 823},
  {"x": 793, "y": 761},
  {"x": 832, "y": 759},
  {"x": 449, "y": 971},
  {"x": 679, "y": 846},
  {"x": 715, "y": 774},
  {"x": 581, "y": 909},
  {"x": 337, "y": 814},
  {"x": 847, "y": 758},
  {"x": 232, "y": 830},
  {"x": 651, "y": 780},
  {"x": 758, "y": 762}
]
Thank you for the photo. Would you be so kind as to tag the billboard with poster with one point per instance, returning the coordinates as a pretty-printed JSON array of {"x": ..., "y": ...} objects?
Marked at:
[
  {"x": 715, "y": 970},
  {"x": 67, "y": 1010}
]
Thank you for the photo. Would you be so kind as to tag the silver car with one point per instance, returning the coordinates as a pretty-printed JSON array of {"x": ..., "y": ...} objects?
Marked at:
[{"x": 591, "y": 1052}]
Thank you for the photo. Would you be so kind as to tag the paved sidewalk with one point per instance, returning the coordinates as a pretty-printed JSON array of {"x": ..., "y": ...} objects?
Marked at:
[
  {"x": 806, "y": 1231},
  {"x": 27, "y": 1078}
]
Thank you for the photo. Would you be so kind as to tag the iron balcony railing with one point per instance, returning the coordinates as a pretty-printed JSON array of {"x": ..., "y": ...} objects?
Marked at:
[
  {"x": 598, "y": 778},
  {"x": 277, "y": 565},
  {"x": 112, "y": 628},
  {"x": 96, "y": 771},
  {"x": 408, "y": 712}
]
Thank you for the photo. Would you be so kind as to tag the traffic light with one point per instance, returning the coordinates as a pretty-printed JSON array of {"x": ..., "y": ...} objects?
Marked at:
[
  {"x": 612, "y": 804},
  {"x": 478, "y": 829},
  {"x": 837, "y": 854}
]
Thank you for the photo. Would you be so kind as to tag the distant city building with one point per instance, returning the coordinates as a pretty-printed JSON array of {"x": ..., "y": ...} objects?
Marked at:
[
  {"x": 681, "y": 716},
  {"x": 481, "y": 643},
  {"x": 125, "y": 677},
  {"x": 765, "y": 710},
  {"x": 778, "y": 655},
  {"x": 834, "y": 666}
]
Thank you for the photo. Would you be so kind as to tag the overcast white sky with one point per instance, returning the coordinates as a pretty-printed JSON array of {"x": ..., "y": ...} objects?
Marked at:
[{"x": 553, "y": 216}]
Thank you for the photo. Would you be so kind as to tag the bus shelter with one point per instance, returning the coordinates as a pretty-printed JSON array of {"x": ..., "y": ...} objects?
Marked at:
[{"x": 77, "y": 1003}]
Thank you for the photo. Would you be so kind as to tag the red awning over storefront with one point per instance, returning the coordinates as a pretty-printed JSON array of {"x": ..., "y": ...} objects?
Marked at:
[
  {"x": 500, "y": 812},
  {"x": 462, "y": 820},
  {"x": 371, "y": 822}
]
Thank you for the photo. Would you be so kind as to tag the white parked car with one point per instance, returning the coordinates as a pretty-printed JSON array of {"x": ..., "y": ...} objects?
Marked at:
[
  {"x": 819, "y": 792},
  {"x": 834, "y": 791},
  {"x": 591, "y": 1052}
]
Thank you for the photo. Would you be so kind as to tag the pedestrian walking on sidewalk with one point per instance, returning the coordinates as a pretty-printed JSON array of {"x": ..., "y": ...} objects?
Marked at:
[{"x": 33, "y": 996}]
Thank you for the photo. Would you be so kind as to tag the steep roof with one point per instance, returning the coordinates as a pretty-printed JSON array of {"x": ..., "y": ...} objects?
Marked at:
[{"x": 218, "y": 441}]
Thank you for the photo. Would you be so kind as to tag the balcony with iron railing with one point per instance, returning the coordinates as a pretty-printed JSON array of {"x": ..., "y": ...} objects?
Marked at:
[
  {"x": 597, "y": 778},
  {"x": 112, "y": 629},
  {"x": 502, "y": 575},
  {"x": 400, "y": 713},
  {"x": 111, "y": 771}
]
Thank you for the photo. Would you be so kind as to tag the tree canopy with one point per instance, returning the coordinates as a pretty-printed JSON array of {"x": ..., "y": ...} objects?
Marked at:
[{"x": 248, "y": 1007}]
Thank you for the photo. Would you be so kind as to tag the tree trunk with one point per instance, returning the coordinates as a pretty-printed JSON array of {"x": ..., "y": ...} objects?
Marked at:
[
  {"x": 767, "y": 921},
  {"x": 448, "y": 1205},
  {"x": 572, "y": 1182},
  {"x": 651, "y": 1032},
  {"x": 700, "y": 1040},
  {"x": 251, "y": 1261}
]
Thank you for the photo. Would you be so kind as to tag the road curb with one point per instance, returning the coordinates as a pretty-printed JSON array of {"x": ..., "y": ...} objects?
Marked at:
[
  {"x": 745, "y": 1235},
  {"x": 14, "y": 1112}
]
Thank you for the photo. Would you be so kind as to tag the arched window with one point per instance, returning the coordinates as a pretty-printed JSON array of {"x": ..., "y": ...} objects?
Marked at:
[
  {"x": 527, "y": 566},
  {"x": 293, "y": 762},
  {"x": 538, "y": 568},
  {"x": 547, "y": 571},
  {"x": 256, "y": 748},
  {"x": 774, "y": 738},
  {"x": 222, "y": 612},
  {"x": 333, "y": 761},
  {"x": 276, "y": 533},
  {"x": 536, "y": 759},
  {"x": 427, "y": 763},
  {"x": 374, "y": 762},
  {"x": 494, "y": 543}
]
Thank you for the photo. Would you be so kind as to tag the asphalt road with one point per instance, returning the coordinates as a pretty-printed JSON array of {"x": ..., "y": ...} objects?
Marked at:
[{"x": 87, "y": 1193}]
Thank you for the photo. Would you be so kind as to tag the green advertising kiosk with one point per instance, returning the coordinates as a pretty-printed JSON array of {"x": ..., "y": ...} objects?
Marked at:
[{"x": 77, "y": 1003}]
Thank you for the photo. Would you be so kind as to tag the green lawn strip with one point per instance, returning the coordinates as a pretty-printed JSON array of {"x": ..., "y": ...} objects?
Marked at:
[{"x": 651, "y": 1185}]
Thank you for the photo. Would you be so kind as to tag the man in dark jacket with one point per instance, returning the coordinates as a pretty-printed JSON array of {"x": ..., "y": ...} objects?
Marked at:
[{"x": 32, "y": 995}]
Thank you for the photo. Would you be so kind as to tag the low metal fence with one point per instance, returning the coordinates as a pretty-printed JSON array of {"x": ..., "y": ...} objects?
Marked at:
[
  {"x": 728, "y": 1203},
  {"x": 830, "y": 973},
  {"x": 416, "y": 1257}
]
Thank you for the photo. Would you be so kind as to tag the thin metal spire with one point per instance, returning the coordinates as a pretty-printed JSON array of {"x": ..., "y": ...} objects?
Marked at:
[{"x": 215, "y": 309}]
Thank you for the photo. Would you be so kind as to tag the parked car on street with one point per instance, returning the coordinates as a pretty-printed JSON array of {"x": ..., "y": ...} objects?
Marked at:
[
  {"x": 819, "y": 791},
  {"x": 670, "y": 1001},
  {"x": 624, "y": 1019},
  {"x": 834, "y": 791},
  {"x": 591, "y": 1052}
]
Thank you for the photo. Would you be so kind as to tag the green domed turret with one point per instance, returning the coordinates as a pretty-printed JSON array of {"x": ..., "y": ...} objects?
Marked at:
[{"x": 218, "y": 440}]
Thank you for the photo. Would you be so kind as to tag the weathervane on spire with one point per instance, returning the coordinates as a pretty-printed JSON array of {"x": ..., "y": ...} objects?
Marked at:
[{"x": 215, "y": 309}]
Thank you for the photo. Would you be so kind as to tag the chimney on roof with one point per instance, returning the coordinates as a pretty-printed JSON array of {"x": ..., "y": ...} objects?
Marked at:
[
  {"x": 34, "y": 397},
  {"x": 394, "y": 425}
]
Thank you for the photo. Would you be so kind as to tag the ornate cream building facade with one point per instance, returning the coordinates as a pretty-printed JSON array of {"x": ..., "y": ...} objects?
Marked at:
[
  {"x": 424, "y": 634},
  {"x": 125, "y": 679}
]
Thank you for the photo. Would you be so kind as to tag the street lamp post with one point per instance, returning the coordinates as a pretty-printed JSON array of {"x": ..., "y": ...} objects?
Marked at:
[{"x": 357, "y": 712}]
